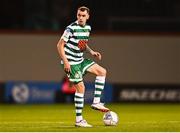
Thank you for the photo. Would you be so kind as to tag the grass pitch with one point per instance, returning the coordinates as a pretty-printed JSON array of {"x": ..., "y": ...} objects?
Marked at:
[{"x": 61, "y": 117}]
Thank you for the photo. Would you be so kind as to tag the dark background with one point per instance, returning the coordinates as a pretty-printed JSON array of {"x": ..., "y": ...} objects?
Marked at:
[{"x": 114, "y": 15}]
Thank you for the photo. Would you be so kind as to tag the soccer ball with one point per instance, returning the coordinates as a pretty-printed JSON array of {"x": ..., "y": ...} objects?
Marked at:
[{"x": 110, "y": 118}]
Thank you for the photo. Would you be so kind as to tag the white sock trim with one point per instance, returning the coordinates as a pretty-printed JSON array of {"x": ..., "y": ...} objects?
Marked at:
[
  {"x": 100, "y": 78},
  {"x": 79, "y": 105},
  {"x": 79, "y": 94},
  {"x": 79, "y": 99},
  {"x": 78, "y": 118},
  {"x": 96, "y": 100},
  {"x": 97, "y": 92},
  {"x": 79, "y": 111},
  {"x": 99, "y": 86}
]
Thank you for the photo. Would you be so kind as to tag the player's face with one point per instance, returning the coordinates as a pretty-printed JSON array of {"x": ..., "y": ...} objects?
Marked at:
[{"x": 82, "y": 17}]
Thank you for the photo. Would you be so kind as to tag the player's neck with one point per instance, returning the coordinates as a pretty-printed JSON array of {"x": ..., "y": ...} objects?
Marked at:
[{"x": 80, "y": 24}]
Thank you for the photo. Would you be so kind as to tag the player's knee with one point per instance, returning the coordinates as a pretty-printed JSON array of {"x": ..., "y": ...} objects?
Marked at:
[
  {"x": 103, "y": 72},
  {"x": 80, "y": 88}
]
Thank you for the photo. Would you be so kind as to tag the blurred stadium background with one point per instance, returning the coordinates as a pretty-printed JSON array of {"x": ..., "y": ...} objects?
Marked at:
[{"x": 139, "y": 41}]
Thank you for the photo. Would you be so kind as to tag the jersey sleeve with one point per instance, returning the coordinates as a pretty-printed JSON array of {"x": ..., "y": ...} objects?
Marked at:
[
  {"x": 67, "y": 34},
  {"x": 89, "y": 28}
]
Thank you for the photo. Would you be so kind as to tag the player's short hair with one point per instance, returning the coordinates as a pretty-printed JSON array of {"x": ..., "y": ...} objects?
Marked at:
[{"x": 84, "y": 8}]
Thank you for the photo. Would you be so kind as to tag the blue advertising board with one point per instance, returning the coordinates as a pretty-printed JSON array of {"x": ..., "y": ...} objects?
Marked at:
[
  {"x": 106, "y": 94},
  {"x": 31, "y": 92},
  {"x": 48, "y": 92}
]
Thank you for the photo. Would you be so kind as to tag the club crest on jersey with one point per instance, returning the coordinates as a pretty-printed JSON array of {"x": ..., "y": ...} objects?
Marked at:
[{"x": 78, "y": 75}]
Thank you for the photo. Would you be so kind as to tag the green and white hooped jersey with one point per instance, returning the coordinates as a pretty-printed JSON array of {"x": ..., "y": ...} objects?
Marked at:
[{"x": 72, "y": 35}]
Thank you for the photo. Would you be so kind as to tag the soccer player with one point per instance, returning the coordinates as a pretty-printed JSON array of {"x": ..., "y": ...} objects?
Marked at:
[{"x": 70, "y": 47}]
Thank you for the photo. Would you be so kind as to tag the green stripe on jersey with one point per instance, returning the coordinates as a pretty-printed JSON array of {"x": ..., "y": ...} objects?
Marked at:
[
  {"x": 81, "y": 37},
  {"x": 73, "y": 43},
  {"x": 81, "y": 30}
]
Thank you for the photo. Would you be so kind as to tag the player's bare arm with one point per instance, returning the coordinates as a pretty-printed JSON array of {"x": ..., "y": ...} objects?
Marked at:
[
  {"x": 60, "y": 47},
  {"x": 93, "y": 53}
]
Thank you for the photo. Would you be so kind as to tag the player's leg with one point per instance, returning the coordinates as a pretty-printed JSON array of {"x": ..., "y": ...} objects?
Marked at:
[
  {"x": 79, "y": 104},
  {"x": 100, "y": 73},
  {"x": 76, "y": 78},
  {"x": 79, "y": 100}
]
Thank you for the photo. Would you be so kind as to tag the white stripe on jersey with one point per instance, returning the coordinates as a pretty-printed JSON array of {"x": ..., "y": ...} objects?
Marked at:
[
  {"x": 81, "y": 34},
  {"x": 75, "y": 54},
  {"x": 72, "y": 46},
  {"x": 74, "y": 40},
  {"x": 73, "y": 58}
]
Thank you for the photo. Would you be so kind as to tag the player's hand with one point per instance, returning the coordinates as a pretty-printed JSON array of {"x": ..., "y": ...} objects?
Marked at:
[
  {"x": 96, "y": 54},
  {"x": 67, "y": 67}
]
